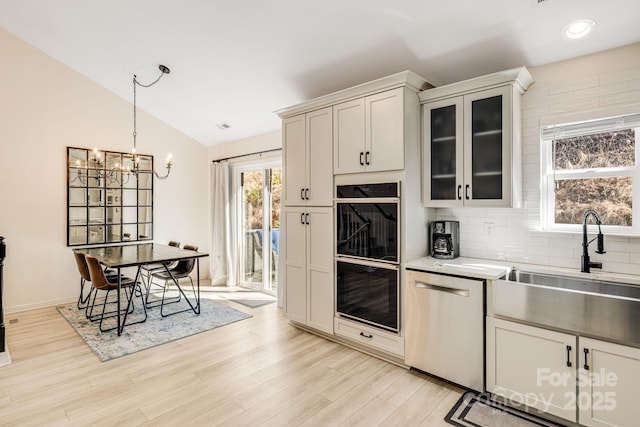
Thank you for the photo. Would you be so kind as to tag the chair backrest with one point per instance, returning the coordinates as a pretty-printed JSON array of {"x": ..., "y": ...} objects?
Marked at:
[
  {"x": 172, "y": 243},
  {"x": 185, "y": 266},
  {"x": 82, "y": 266},
  {"x": 96, "y": 273}
]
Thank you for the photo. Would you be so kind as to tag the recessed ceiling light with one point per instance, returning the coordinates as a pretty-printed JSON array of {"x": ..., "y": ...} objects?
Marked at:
[{"x": 578, "y": 29}]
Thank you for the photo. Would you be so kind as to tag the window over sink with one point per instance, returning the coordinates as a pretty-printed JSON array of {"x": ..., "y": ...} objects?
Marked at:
[{"x": 591, "y": 163}]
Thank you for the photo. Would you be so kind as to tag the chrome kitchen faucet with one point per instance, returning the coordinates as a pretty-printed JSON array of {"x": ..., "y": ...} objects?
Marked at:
[{"x": 586, "y": 265}]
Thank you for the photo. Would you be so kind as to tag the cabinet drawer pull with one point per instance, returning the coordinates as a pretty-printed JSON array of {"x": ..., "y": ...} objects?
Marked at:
[
  {"x": 361, "y": 162},
  {"x": 569, "y": 364},
  {"x": 306, "y": 194},
  {"x": 459, "y": 188},
  {"x": 302, "y": 194},
  {"x": 586, "y": 364},
  {"x": 362, "y": 334},
  {"x": 302, "y": 218},
  {"x": 466, "y": 191},
  {"x": 306, "y": 219},
  {"x": 366, "y": 158}
]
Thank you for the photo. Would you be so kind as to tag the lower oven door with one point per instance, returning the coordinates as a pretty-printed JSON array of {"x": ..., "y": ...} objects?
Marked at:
[{"x": 367, "y": 292}]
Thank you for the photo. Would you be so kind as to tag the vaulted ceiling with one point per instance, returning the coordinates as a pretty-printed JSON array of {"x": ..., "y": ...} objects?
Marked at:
[{"x": 235, "y": 62}]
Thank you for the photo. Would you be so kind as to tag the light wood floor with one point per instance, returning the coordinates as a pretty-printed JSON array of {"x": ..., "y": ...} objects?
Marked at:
[{"x": 260, "y": 371}]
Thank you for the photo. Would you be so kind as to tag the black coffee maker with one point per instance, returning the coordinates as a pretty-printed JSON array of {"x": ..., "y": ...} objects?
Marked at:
[{"x": 444, "y": 239}]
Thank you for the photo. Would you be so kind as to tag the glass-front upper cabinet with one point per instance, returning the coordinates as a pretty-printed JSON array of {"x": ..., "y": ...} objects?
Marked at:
[
  {"x": 106, "y": 202},
  {"x": 468, "y": 149},
  {"x": 471, "y": 141}
]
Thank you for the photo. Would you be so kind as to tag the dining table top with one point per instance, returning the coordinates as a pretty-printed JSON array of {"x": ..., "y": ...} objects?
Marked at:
[{"x": 131, "y": 255}]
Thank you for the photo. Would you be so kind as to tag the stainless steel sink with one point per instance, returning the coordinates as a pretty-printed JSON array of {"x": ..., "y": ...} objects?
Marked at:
[
  {"x": 576, "y": 284},
  {"x": 600, "y": 309}
]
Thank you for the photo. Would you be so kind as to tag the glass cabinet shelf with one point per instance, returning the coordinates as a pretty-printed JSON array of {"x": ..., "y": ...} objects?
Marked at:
[
  {"x": 488, "y": 132},
  {"x": 444, "y": 139},
  {"x": 488, "y": 173},
  {"x": 444, "y": 176}
]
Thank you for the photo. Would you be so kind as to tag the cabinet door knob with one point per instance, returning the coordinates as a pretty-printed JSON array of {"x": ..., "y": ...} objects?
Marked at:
[
  {"x": 569, "y": 364},
  {"x": 361, "y": 162},
  {"x": 366, "y": 158}
]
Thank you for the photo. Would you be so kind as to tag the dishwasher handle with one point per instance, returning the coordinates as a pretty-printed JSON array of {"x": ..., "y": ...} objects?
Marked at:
[{"x": 455, "y": 291}]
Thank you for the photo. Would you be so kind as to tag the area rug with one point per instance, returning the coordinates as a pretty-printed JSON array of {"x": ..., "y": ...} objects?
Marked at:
[
  {"x": 155, "y": 331},
  {"x": 473, "y": 410}
]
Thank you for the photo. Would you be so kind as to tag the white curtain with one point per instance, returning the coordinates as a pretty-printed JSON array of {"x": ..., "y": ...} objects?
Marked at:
[{"x": 222, "y": 262}]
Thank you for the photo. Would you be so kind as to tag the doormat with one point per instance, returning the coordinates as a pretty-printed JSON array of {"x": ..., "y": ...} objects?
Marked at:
[
  {"x": 473, "y": 410},
  {"x": 155, "y": 331},
  {"x": 253, "y": 303}
]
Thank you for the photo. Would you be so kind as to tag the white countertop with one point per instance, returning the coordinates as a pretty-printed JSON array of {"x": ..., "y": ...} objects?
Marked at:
[
  {"x": 468, "y": 267},
  {"x": 494, "y": 269}
]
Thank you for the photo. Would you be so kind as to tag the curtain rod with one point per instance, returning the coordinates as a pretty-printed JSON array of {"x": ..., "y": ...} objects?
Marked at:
[{"x": 244, "y": 155}]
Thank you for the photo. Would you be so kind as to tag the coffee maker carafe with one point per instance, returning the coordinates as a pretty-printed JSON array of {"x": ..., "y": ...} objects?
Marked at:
[{"x": 444, "y": 239}]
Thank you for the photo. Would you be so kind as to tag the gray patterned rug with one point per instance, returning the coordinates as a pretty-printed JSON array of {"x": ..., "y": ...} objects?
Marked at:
[
  {"x": 473, "y": 410},
  {"x": 155, "y": 331}
]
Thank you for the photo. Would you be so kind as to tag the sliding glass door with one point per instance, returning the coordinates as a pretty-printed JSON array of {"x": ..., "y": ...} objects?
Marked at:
[{"x": 259, "y": 219}]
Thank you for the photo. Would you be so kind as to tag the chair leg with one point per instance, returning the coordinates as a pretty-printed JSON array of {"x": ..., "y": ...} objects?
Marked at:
[{"x": 82, "y": 300}]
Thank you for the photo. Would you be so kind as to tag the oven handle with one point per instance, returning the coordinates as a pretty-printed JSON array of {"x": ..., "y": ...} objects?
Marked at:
[{"x": 455, "y": 291}]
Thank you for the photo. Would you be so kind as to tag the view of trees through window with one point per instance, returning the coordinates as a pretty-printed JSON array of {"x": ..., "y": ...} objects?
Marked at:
[
  {"x": 610, "y": 196},
  {"x": 252, "y": 185}
]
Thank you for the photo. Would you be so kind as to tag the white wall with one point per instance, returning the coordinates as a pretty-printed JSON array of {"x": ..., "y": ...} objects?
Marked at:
[
  {"x": 598, "y": 81},
  {"x": 45, "y": 107},
  {"x": 254, "y": 144}
]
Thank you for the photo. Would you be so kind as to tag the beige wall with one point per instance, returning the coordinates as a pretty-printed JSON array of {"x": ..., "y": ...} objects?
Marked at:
[{"x": 45, "y": 107}]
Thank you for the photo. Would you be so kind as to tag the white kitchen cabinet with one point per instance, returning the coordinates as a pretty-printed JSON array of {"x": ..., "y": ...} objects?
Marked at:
[
  {"x": 308, "y": 267},
  {"x": 528, "y": 365},
  {"x": 369, "y": 133},
  {"x": 609, "y": 388},
  {"x": 584, "y": 380},
  {"x": 471, "y": 142},
  {"x": 308, "y": 158}
]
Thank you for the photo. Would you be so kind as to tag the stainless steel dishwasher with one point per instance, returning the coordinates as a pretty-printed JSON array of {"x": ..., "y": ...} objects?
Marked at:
[{"x": 444, "y": 327}]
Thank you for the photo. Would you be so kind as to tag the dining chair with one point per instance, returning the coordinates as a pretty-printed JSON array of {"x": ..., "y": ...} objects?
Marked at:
[
  {"x": 85, "y": 279},
  {"x": 146, "y": 270},
  {"x": 182, "y": 270},
  {"x": 101, "y": 283}
]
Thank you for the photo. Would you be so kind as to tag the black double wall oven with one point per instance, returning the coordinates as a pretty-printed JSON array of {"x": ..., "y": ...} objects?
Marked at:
[{"x": 367, "y": 254}]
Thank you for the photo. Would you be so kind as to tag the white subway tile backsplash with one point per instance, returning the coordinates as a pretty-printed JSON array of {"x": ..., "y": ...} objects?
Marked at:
[
  {"x": 620, "y": 98},
  {"x": 575, "y": 85},
  {"x": 515, "y": 236}
]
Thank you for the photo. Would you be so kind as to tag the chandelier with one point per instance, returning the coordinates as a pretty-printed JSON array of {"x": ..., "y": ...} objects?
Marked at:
[{"x": 127, "y": 171}]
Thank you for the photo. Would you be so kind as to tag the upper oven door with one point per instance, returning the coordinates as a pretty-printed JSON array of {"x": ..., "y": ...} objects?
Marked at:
[{"x": 367, "y": 229}]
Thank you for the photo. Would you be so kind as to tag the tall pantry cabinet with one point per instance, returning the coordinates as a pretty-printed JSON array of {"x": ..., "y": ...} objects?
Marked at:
[
  {"x": 308, "y": 218},
  {"x": 364, "y": 134}
]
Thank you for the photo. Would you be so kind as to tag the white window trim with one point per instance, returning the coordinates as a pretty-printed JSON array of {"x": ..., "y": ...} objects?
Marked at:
[{"x": 547, "y": 193}]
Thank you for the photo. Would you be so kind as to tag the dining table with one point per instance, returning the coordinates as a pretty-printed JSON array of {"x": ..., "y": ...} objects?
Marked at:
[{"x": 138, "y": 255}]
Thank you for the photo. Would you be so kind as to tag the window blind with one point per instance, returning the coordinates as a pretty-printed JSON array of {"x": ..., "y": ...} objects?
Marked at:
[{"x": 568, "y": 130}]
